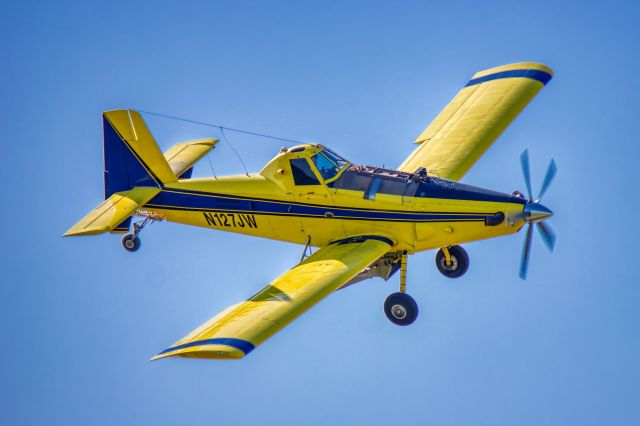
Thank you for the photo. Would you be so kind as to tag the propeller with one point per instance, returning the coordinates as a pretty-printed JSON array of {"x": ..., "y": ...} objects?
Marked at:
[{"x": 535, "y": 213}]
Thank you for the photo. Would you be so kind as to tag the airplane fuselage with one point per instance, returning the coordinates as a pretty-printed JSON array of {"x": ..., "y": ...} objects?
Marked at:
[{"x": 416, "y": 212}]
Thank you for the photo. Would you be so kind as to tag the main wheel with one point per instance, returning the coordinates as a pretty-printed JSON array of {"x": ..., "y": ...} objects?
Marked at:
[
  {"x": 458, "y": 265},
  {"x": 401, "y": 309},
  {"x": 131, "y": 243}
]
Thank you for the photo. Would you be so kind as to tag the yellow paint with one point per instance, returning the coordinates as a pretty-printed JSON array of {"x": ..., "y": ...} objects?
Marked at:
[
  {"x": 278, "y": 187},
  {"x": 283, "y": 300},
  {"x": 183, "y": 155},
  {"x": 472, "y": 121},
  {"x": 112, "y": 212},
  {"x": 132, "y": 128},
  {"x": 403, "y": 273}
]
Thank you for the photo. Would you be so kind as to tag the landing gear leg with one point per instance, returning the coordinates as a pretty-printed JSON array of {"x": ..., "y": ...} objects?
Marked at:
[
  {"x": 306, "y": 252},
  {"x": 131, "y": 242},
  {"x": 403, "y": 273},
  {"x": 400, "y": 308}
]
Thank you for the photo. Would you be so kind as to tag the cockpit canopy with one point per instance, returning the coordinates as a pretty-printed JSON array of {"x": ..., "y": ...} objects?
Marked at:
[
  {"x": 327, "y": 163},
  {"x": 317, "y": 165}
]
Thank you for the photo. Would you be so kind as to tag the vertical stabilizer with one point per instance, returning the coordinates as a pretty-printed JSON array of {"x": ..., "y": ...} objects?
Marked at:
[{"x": 131, "y": 156}]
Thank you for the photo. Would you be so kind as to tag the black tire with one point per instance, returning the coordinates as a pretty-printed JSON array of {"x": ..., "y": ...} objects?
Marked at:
[
  {"x": 131, "y": 243},
  {"x": 401, "y": 309},
  {"x": 459, "y": 262}
]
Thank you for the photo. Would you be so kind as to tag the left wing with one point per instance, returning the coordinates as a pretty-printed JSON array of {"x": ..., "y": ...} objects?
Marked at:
[
  {"x": 237, "y": 330},
  {"x": 474, "y": 119}
]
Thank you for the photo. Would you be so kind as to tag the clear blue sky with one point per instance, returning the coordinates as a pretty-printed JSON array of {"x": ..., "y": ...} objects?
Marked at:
[{"x": 80, "y": 317}]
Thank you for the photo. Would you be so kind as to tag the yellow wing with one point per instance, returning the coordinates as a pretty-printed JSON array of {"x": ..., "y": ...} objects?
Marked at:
[
  {"x": 237, "y": 330},
  {"x": 183, "y": 155},
  {"x": 112, "y": 212},
  {"x": 474, "y": 119}
]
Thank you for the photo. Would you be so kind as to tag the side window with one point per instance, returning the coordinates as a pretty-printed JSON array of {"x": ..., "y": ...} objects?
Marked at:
[
  {"x": 302, "y": 173},
  {"x": 393, "y": 187}
]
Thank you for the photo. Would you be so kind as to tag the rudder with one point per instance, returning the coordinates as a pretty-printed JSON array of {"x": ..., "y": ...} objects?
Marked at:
[{"x": 131, "y": 156}]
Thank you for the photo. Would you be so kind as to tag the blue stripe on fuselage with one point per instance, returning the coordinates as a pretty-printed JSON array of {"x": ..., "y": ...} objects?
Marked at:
[{"x": 201, "y": 201}]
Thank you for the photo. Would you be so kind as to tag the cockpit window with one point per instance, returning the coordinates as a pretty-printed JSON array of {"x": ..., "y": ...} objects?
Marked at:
[
  {"x": 328, "y": 163},
  {"x": 302, "y": 173},
  {"x": 335, "y": 157}
]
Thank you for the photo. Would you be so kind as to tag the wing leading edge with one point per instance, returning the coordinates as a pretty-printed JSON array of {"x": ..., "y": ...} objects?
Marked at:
[
  {"x": 474, "y": 119},
  {"x": 237, "y": 330}
]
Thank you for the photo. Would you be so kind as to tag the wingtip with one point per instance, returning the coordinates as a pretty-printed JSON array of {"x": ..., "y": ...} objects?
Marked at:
[
  {"x": 531, "y": 70},
  {"x": 516, "y": 66},
  {"x": 207, "y": 351},
  {"x": 165, "y": 354},
  {"x": 156, "y": 357}
]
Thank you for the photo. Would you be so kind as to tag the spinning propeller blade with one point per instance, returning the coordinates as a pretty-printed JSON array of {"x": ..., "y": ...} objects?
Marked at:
[
  {"x": 526, "y": 249},
  {"x": 551, "y": 173},
  {"x": 548, "y": 235},
  {"x": 524, "y": 162},
  {"x": 536, "y": 213}
]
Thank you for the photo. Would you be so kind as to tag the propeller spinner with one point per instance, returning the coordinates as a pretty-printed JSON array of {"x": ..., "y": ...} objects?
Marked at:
[{"x": 536, "y": 213}]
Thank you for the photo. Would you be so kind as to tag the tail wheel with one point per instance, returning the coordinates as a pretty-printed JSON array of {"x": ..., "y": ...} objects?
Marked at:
[
  {"x": 458, "y": 264},
  {"x": 131, "y": 242},
  {"x": 401, "y": 309}
]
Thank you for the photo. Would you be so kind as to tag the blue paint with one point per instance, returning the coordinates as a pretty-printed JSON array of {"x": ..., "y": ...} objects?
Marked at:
[
  {"x": 371, "y": 183},
  {"x": 541, "y": 76},
  {"x": 167, "y": 199},
  {"x": 361, "y": 239},
  {"x": 122, "y": 169},
  {"x": 243, "y": 345},
  {"x": 373, "y": 189},
  {"x": 187, "y": 173},
  {"x": 124, "y": 225}
]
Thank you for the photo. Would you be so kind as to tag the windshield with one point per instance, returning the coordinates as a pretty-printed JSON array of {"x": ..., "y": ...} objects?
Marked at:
[
  {"x": 335, "y": 157},
  {"x": 328, "y": 163}
]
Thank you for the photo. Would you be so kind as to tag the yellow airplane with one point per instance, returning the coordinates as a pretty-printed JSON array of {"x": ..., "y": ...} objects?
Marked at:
[{"x": 365, "y": 220}]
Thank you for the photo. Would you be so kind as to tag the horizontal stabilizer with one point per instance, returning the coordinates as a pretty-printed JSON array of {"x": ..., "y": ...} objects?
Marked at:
[
  {"x": 182, "y": 156},
  {"x": 115, "y": 209}
]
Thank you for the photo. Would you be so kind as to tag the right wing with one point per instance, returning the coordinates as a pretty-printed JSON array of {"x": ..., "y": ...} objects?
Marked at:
[
  {"x": 182, "y": 156},
  {"x": 474, "y": 119},
  {"x": 237, "y": 330}
]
